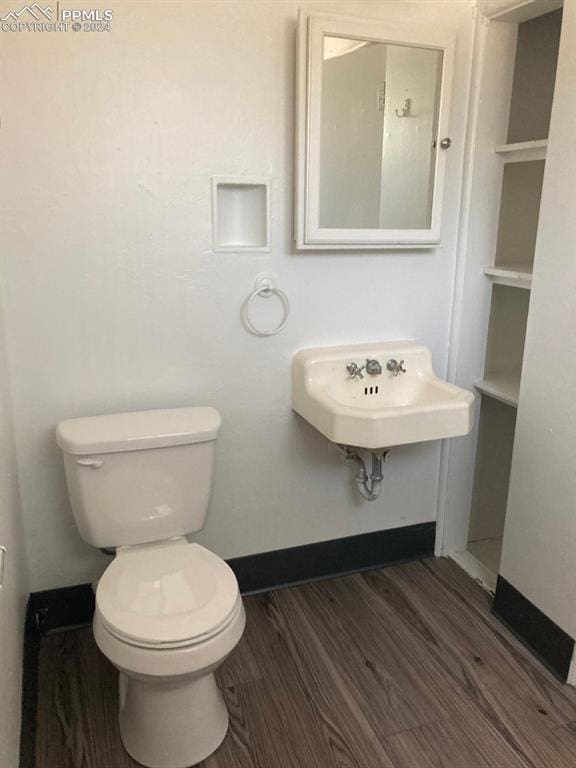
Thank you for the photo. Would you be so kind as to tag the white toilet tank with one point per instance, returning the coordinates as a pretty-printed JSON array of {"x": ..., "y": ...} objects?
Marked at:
[{"x": 139, "y": 477}]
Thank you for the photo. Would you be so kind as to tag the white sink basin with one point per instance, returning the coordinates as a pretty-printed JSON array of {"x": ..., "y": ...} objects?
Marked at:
[{"x": 378, "y": 411}]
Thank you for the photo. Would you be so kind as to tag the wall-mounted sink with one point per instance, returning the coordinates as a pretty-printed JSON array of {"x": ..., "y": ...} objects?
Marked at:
[{"x": 378, "y": 410}]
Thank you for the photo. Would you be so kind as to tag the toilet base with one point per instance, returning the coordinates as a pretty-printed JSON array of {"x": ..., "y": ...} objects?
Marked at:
[{"x": 171, "y": 723}]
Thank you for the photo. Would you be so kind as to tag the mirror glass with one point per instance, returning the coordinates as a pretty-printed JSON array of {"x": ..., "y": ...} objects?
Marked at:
[{"x": 378, "y": 125}]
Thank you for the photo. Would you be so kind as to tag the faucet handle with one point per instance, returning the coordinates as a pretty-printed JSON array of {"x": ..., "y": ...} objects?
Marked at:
[
  {"x": 355, "y": 371},
  {"x": 395, "y": 367}
]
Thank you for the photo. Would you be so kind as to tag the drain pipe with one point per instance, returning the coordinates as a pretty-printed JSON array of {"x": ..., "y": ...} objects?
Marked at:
[{"x": 369, "y": 491}]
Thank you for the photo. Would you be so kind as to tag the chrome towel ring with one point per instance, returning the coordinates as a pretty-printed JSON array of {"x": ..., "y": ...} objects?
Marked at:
[{"x": 265, "y": 288}]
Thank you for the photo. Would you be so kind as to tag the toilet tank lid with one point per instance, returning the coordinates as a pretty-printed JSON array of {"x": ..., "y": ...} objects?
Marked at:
[{"x": 138, "y": 430}]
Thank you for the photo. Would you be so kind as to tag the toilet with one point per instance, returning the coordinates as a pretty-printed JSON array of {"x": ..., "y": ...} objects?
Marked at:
[{"x": 168, "y": 612}]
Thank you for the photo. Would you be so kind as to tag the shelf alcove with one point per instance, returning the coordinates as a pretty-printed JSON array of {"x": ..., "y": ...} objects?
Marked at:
[{"x": 521, "y": 154}]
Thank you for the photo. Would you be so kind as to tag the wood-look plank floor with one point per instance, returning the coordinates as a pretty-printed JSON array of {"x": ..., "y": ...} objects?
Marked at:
[{"x": 403, "y": 667}]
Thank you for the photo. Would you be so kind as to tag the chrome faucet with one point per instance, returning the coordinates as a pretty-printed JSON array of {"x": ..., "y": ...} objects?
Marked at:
[
  {"x": 373, "y": 367},
  {"x": 395, "y": 367},
  {"x": 355, "y": 371}
]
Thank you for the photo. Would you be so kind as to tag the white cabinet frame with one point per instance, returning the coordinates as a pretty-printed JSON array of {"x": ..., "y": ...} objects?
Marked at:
[{"x": 312, "y": 29}]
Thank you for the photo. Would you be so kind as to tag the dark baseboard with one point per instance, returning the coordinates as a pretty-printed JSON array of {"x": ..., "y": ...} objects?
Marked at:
[
  {"x": 534, "y": 629},
  {"x": 324, "y": 559},
  {"x": 65, "y": 607},
  {"x": 57, "y": 609}
]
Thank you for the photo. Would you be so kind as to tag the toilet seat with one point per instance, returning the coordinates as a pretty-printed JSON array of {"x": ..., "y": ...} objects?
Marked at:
[{"x": 167, "y": 595}]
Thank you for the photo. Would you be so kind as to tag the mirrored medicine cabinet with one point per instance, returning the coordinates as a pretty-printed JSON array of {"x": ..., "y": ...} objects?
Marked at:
[{"x": 372, "y": 129}]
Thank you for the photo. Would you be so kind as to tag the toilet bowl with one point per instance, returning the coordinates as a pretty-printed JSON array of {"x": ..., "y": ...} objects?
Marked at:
[
  {"x": 172, "y": 714},
  {"x": 168, "y": 612}
]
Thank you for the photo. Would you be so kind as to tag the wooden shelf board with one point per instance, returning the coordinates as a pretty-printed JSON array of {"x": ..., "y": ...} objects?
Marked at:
[
  {"x": 517, "y": 275},
  {"x": 501, "y": 386},
  {"x": 523, "y": 151}
]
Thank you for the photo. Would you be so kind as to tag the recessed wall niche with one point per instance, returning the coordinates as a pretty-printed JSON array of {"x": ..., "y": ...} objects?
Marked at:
[{"x": 240, "y": 214}]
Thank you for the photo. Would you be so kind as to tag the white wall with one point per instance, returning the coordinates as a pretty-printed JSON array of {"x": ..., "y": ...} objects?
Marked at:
[
  {"x": 115, "y": 300},
  {"x": 539, "y": 555},
  {"x": 14, "y": 592}
]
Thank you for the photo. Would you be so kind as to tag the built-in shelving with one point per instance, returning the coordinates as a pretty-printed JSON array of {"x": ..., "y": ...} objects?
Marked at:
[
  {"x": 516, "y": 141},
  {"x": 515, "y": 275},
  {"x": 523, "y": 151},
  {"x": 501, "y": 386}
]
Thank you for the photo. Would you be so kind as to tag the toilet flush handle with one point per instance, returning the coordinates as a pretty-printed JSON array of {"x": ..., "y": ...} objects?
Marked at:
[{"x": 92, "y": 463}]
